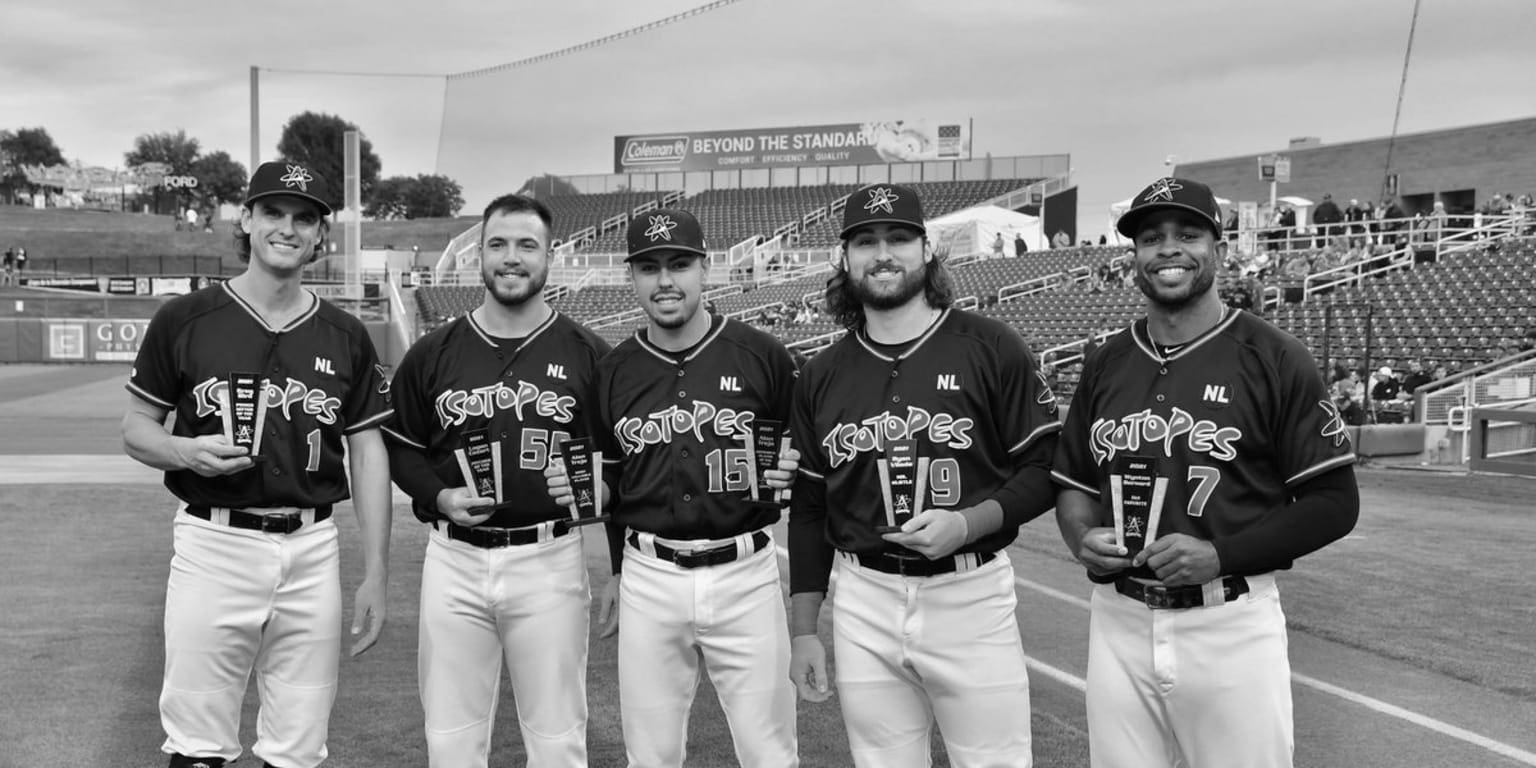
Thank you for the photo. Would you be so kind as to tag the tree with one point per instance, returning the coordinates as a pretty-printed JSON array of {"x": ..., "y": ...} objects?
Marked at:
[
  {"x": 434, "y": 196},
  {"x": 27, "y": 146},
  {"x": 546, "y": 186},
  {"x": 426, "y": 196},
  {"x": 389, "y": 199},
  {"x": 176, "y": 150},
  {"x": 219, "y": 178},
  {"x": 318, "y": 141}
]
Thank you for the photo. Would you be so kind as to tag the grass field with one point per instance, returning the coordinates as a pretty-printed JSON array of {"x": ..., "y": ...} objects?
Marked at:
[{"x": 1411, "y": 640}]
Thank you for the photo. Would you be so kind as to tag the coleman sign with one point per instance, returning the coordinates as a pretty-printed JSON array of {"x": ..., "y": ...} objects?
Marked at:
[{"x": 897, "y": 141}]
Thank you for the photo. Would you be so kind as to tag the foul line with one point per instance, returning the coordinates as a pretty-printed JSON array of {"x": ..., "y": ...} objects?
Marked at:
[
  {"x": 1424, "y": 721},
  {"x": 1497, "y": 747}
]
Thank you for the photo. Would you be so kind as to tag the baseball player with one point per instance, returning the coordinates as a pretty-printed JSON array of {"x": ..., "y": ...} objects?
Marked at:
[
  {"x": 923, "y": 617},
  {"x": 266, "y": 380},
  {"x": 700, "y": 575},
  {"x": 1208, "y": 435},
  {"x": 508, "y": 582}
]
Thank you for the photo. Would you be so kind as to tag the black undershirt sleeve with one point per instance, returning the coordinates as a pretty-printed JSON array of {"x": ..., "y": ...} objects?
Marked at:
[
  {"x": 1030, "y": 493},
  {"x": 409, "y": 468},
  {"x": 810, "y": 554},
  {"x": 1322, "y": 510}
]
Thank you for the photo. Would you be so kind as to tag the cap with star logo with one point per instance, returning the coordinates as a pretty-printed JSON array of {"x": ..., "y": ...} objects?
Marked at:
[
  {"x": 1169, "y": 192},
  {"x": 285, "y": 178},
  {"x": 883, "y": 204},
  {"x": 665, "y": 229}
]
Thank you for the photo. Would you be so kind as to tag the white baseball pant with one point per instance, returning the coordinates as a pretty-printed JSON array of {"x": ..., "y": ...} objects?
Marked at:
[
  {"x": 731, "y": 614},
  {"x": 525, "y": 604},
  {"x": 912, "y": 649},
  {"x": 238, "y": 599},
  {"x": 1196, "y": 687}
]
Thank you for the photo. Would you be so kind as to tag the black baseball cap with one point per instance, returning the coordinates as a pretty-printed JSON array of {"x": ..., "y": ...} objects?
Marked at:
[
  {"x": 883, "y": 204},
  {"x": 284, "y": 178},
  {"x": 670, "y": 229},
  {"x": 1169, "y": 192}
]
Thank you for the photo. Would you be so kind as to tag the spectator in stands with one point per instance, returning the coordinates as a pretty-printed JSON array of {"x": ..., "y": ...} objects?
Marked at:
[
  {"x": 1355, "y": 216},
  {"x": 1103, "y": 240},
  {"x": 1416, "y": 377},
  {"x": 1297, "y": 266},
  {"x": 1528, "y": 340},
  {"x": 1441, "y": 372},
  {"x": 1019, "y": 246},
  {"x": 1061, "y": 239},
  {"x": 1090, "y": 343},
  {"x": 21, "y": 261},
  {"x": 997, "y": 246},
  {"x": 1391, "y": 215},
  {"x": 1327, "y": 218},
  {"x": 1349, "y": 394},
  {"x": 1439, "y": 219},
  {"x": 10, "y": 265},
  {"x": 1386, "y": 386},
  {"x": 1052, "y": 378}
]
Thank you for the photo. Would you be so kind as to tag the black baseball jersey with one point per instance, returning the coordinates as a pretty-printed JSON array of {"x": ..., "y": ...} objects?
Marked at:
[
  {"x": 678, "y": 429},
  {"x": 967, "y": 391},
  {"x": 1230, "y": 422},
  {"x": 322, "y": 380},
  {"x": 532, "y": 394}
]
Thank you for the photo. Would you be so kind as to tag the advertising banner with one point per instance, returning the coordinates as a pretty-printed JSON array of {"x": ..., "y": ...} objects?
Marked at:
[
  {"x": 892, "y": 141},
  {"x": 95, "y": 340}
]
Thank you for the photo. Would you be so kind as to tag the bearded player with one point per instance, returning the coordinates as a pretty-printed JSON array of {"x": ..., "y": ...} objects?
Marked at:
[
  {"x": 506, "y": 584},
  {"x": 700, "y": 576},
  {"x": 1209, "y": 434},
  {"x": 923, "y": 618},
  {"x": 255, "y": 576}
]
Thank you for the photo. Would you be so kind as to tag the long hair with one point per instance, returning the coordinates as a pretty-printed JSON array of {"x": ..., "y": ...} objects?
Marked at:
[
  {"x": 845, "y": 307},
  {"x": 243, "y": 241}
]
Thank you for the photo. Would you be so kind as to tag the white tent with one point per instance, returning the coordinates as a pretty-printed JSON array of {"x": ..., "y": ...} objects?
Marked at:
[
  {"x": 972, "y": 230},
  {"x": 1303, "y": 208}
]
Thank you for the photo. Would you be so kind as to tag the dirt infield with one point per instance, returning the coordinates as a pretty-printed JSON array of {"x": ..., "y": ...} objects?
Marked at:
[{"x": 1410, "y": 639}]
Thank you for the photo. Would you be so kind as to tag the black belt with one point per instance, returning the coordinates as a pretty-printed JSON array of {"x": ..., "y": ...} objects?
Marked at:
[
  {"x": 1192, "y": 596},
  {"x": 276, "y": 522},
  {"x": 902, "y": 565},
  {"x": 698, "y": 558},
  {"x": 496, "y": 538}
]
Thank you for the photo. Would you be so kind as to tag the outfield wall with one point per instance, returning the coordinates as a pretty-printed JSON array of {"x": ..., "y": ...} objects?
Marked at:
[{"x": 109, "y": 340}]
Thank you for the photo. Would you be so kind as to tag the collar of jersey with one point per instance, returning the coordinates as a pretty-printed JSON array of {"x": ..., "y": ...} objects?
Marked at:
[
  {"x": 469, "y": 317},
  {"x": 314, "y": 306},
  {"x": 864, "y": 340},
  {"x": 1143, "y": 337},
  {"x": 717, "y": 324}
]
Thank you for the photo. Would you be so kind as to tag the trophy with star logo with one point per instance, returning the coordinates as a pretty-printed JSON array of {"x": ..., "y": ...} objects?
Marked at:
[
  {"x": 245, "y": 411},
  {"x": 767, "y": 442},
  {"x": 1136, "y": 493},
  {"x": 584, "y": 469},
  {"x": 480, "y": 462},
  {"x": 903, "y": 480}
]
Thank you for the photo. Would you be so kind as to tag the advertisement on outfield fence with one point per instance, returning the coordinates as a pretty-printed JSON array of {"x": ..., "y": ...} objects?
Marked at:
[
  {"x": 95, "y": 340},
  {"x": 873, "y": 143}
]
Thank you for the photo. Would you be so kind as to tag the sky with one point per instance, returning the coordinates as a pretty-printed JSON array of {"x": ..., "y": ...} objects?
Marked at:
[{"x": 1120, "y": 85}]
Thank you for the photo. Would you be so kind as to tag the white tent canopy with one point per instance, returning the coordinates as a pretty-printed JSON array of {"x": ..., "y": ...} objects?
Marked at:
[{"x": 972, "y": 230}]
